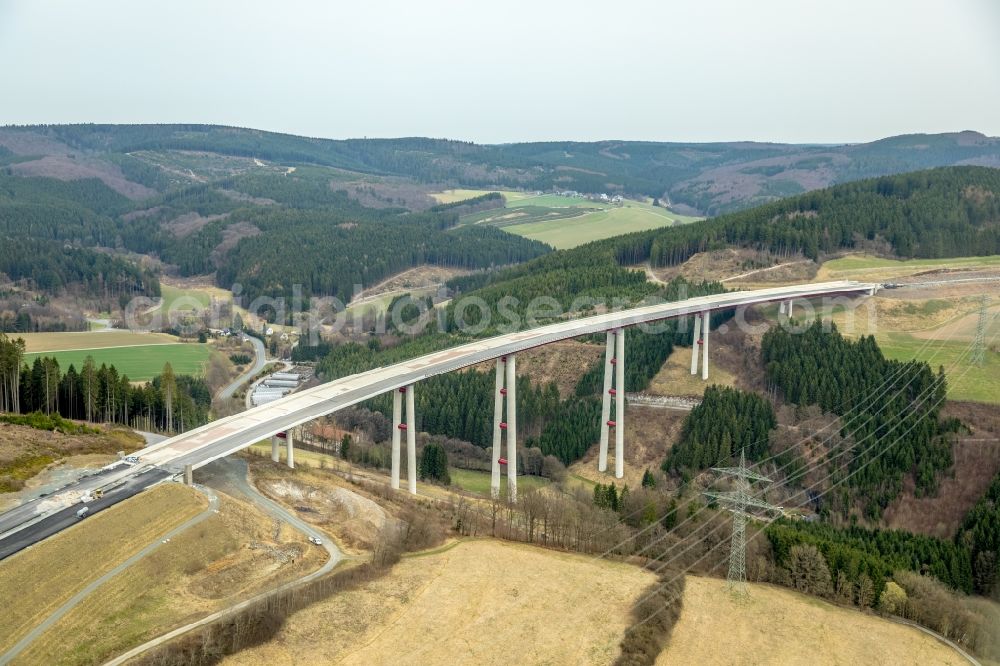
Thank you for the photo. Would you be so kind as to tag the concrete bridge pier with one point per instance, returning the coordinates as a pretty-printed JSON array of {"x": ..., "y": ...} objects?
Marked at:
[
  {"x": 614, "y": 387},
  {"x": 704, "y": 346},
  {"x": 290, "y": 449},
  {"x": 620, "y": 404},
  {"x": 695, "y": 340},
  {"x": 788, "y": 307},
  {"x": 275, "y": 448},
  {"x": 189, "y": 475},
  {"x": 498, "y": 427},
  {"x": 609, "y": 355},
  {"x": 411, "y": 441},
  {"x": 397, "y": 416},
  {"x": 511, "y": 428}
]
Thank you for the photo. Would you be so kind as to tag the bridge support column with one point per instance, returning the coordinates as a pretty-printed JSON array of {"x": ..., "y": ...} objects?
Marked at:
[
  {"x": 695, "y": 339},
  {"x": 706, "y": 321},
  {"x": 498, "y": 396},
  {"x": 275, "y": 449},
  {"x": 788, "y": 308},
  {"x": 290, "y": 451},
  {"x": 782, "y": 307},
  {"x": 609, "y": 370},
  {"x": 397, "y": 417},
  {"x": 620, "y": 404},
  {"x": 189, "y": 475},
  {"x": 411, "y": 441},
  {"x": 511, "y": 428}
]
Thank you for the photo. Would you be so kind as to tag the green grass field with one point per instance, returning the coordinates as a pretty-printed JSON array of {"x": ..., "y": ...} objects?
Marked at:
[
  {"x": 139, "y": 362},
  {"x": 187, "y": 299},
  {"x": 565, "y": 222},
  {"x": 551, "y": 201},
  {"x": 566, "y": 233},
  {"x": 479, "y": 482},
  {"x": 965, "y": 381},
  {"x": 50, "y": 342}
]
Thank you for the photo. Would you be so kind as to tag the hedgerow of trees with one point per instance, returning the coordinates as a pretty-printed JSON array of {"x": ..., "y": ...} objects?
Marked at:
[{"x": 99, "y": 393}]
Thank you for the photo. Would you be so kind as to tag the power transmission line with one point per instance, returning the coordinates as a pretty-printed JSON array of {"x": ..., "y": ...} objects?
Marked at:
[
  {"x": 737, "y": 503},
  {"x": 979, "y": 346}
]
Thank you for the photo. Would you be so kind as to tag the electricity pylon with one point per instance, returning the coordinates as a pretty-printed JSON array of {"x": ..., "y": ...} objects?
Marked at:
[
  {"x": 979, "y": 346},
  {"x": 737, "y": 502}
]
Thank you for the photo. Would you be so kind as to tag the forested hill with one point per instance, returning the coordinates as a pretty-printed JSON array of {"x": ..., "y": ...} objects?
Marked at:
[
  {"x": 268, "y": 230},
  {"x": 711, "y": 178},
  {"x": 945, "y": 212}
]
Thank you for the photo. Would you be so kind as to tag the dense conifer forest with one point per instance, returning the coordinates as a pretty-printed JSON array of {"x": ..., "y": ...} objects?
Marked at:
[
  {"x": 265, "y": 232},
  {"x": 875, "y": 554},
  {"x": 726, "y": 422},
  {"x": 892, "y": 408},
  {"x": 980, "y": 534}
]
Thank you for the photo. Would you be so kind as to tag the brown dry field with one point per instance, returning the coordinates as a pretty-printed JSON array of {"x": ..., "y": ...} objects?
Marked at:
[
  {"x": 780, "y": 626},
  {"x": 649, "y": 434},
  {"x": 461, "y": 605},
  {"x": 733, "y": 360},
  {"x": 41, "y": 342},
  {"x": 560, "y": 362},
  {"x": 675, "y": 378},
  {"x": 946, "y": 313},
  {"x": 226, "y": 558},
  {"x": 44, "y": 576}
]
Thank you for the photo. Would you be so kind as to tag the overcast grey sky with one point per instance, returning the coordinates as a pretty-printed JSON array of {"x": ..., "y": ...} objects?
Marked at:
[{"x": 673, "y": 70}]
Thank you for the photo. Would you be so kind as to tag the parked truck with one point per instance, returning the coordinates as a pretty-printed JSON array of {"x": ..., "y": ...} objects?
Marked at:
[{"x": 82, "y": 512}]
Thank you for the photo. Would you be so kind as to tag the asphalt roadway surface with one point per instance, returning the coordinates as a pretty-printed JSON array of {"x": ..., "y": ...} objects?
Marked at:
[{"x": 57, "y": 521}]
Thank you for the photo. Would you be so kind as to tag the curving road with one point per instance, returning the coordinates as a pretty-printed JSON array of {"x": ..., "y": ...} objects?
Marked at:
[{"x": 259, "y": 361}]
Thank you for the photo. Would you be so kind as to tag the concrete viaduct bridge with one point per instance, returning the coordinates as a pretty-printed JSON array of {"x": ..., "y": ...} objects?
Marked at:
[{"x": 220, "y": 438}]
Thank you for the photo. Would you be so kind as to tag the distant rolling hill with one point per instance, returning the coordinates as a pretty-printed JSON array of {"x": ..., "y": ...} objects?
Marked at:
[{"x": 699, "y": 178}]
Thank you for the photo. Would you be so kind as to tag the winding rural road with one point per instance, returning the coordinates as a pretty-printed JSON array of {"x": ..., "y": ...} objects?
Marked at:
[
  {"x": 213, "y": 505},
  {"x": 260, "y": 360}
]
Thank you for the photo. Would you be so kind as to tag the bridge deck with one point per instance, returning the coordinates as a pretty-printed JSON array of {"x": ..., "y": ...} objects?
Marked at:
[{"x": 228, "y": 435}]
